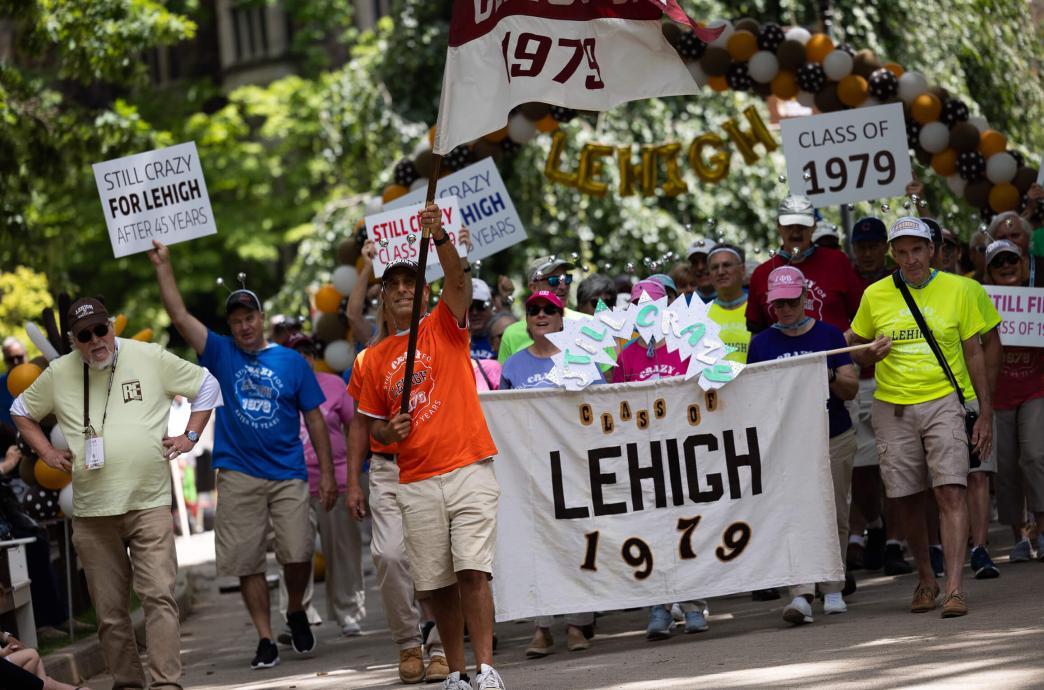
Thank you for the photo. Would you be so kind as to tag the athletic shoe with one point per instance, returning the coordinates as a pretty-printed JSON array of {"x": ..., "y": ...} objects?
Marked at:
[
  {"x": 955, "y": 605},
  {"x": 488, "y": 679},
  {"x": 541, "y": 645},
  {"x": 267, "y": 655},
  {"x": 695, "y": 622},
  {"x": 894, "y": 562},
  {"x": 411, "y": 665},
  {"x": 854, "y": 556},
  {"x": 833, "y": 603},
  {"x": 798, "y": 611},
  {"x": 982, "y": 565},
  {"x": 1021, "y": 552},
  {"x": 677, "y": 614},
  {"x": 924, "y": 598},
  {"x": 850, "y": 585},
  {"x": 456, "y": 681},
  {"x": 575, "y": 639},
  {"x": 938, "y": 559},
  {"x": 660, "y": 623},
  {"x": 770, "y": 594},
  {"x": 437, "y": 670},
  {"x": 301, "y": 637},
  {"x": 874, "y": 556},
  {"x": 351, "y": 629}
]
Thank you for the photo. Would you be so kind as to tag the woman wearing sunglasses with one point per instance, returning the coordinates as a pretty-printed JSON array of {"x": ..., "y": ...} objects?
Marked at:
[{"x": 1019, "y": 402}]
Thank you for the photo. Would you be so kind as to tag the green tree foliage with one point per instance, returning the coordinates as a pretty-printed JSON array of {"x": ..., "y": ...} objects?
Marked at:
[{"x": 23, "y": 295}]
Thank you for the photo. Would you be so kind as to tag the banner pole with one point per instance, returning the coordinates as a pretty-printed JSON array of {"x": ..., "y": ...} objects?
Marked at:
[
  {"x": 850, "y": 348},
  {"x": 418, "y": 291}
]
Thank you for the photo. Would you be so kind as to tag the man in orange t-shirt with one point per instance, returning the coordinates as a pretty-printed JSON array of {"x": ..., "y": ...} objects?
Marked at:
[{"x": 448, "y": 492}]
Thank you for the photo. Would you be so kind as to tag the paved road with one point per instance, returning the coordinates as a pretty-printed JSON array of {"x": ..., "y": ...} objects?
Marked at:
[{"x": 877, "y": 644}]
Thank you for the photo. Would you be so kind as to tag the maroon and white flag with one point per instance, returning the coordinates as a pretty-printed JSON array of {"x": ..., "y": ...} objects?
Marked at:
[{"x": 582, "y": 54}]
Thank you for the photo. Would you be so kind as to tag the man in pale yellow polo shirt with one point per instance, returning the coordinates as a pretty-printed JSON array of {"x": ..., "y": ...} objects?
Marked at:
[{"x": 112, "y": 399}]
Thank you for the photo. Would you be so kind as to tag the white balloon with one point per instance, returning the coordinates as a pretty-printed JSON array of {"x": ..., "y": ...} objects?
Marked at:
[
  {"x": 41, "y": 341},
  {"x": 1001, "y": 167},
  {"x": 799, "y": 34},
  {"x": 338, "y": 355},
  {"x": 723, "y": 39},
  {"x": 344, "y": 278},
  {"x": 870, "y": 102},
  {"x": 763, "y": 66},
  {"x": 934, "y": 137},
  {"x": 807, "y": 99},
  {"x": 65, "y": 500},
  {"x": 520, "y": 129},
  {"x": 698, "y": 75},
  {"x": 912, "y": 85},
  {"x": 956, "y": 183},
  {"x": 837, "y": 65},
  {"x": 58, "y": 438},
  {"x": 374, "y": 205},
  {"x": 419, "y": 183},
  {"x": 981, "y": 123}
]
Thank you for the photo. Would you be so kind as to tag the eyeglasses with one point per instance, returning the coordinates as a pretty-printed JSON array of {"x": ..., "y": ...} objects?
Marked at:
[
  {"x": 1005, "y": 259},
  {"x": 478, "y": 305},
  {"x": 14, "y": 359},
  {"x": 547, "y": 309},
  {"x": 553, "y": 281},
  {"x": 788, "y": 303},
  {"x": 101, "y": 330}
]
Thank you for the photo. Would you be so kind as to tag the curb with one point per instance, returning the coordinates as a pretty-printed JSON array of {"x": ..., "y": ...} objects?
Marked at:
[{"x": 81, "y": 660}]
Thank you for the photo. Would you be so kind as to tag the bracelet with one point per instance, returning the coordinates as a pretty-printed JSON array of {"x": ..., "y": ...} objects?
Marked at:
[
  {"x": 467, "y": 268},
  {"x": 439, "y": 242}
]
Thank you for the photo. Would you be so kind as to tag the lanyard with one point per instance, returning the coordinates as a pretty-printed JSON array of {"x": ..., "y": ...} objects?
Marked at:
[{"x": 87, "y": 429}]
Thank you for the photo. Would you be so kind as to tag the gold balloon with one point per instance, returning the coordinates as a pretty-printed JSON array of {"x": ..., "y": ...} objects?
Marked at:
[
  {"x": 591, "y": 167},
  {"x": 144, "y": 335},
  {"x": 552, "y": 171},
  {"x": 674, "y": 184},
  {"x": 716, "y": 167},
  {"x": 745, "y": 141},
  {"x": 121, "y": 323},
  {"x": 643, "y": 173}
]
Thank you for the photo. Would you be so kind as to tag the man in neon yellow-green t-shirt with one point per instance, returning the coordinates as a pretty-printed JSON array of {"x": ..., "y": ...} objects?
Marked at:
[{"x": 729, "y": 309}]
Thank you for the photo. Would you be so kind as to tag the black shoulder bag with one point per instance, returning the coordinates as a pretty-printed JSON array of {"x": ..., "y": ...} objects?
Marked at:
[{"x": 970, "y": 416}]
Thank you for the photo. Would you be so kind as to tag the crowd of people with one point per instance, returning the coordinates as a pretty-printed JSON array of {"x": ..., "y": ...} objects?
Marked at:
[{"x": 925, "y": 418}]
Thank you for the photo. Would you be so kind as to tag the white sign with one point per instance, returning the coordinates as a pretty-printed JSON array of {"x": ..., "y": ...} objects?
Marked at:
[
  {"x": 1040, "y": 171},
  {"x": 397, "y": 234},
  {"x": 843, "y": 157},
  {"x": 486, "y": 209},
  {"x": 1022, "y": 313},
  {"x": 636, "y": 494},
  {"x": 156, "y": 195}
]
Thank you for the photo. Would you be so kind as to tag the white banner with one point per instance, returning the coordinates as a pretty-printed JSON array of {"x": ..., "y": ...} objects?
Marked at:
[
  {"x": 156, "y": 195},
  {"x": 848, "y": 156},
  {"x": 1022, "y": 314},
  {"x": 646, "y": 493},
  {"x": 397, "y": 234},
  {"x": 486, "y": 209}
]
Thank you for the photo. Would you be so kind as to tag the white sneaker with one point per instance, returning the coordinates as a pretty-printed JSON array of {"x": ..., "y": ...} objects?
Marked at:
[
  {"x": 351, "y": 629},
  {"x": 488, "y": 679},
  {"x": 677, "y": 614},
  {"x": 834, "y": 603},
  {"x": 455, "y": 682},
  {"x": 798, "y": 611}
]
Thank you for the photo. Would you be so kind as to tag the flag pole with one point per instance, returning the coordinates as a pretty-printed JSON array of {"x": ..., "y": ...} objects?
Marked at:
[{"x": 418, "y": 290}]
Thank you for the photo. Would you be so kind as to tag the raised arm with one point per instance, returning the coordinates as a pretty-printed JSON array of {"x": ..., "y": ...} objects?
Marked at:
[
  {"x": 454, "y": 286},
  {"x": 190, "y": 328},
  {"x": 360, "y": 327}
]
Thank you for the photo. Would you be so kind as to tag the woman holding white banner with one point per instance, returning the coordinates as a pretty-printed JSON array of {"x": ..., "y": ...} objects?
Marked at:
[
  {"x": 793, "y": 334},
  {"x": 1019, "y": 402}
]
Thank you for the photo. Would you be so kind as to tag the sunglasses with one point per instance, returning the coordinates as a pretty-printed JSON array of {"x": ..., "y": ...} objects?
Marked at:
[
  {"x": 101, "y": 330},
  {"x": 546, "y": 309},
  {"x": 1005, "y": 259},
  {"x": 478, "y": 305},
  {"x": 787, "y": 303},
  {"x": 553, "y": 281}
]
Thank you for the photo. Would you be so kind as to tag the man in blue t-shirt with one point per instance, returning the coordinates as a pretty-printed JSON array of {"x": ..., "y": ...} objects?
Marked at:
[
  {"x": 262, "y": 478},
  {"x": 796, "y": 334}
]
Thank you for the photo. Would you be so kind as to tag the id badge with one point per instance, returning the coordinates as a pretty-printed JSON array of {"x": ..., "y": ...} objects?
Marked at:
[{"x": 94, "y": 453}]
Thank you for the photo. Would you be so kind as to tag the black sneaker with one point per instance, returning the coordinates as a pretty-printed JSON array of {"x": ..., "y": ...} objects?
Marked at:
[
  {"x": 938, "y": 560},
  {"x": 770, "y": 594},
  {"x": 850, "y": 585},
  {"x": 854, "y": 556},
  {"x": 982, "y": 564},
  {"x": 267, "y": 655},
  {"x": 894, "y": 562},
  {"x": 874, "y": 556},
  {"x": 301, "y": 637}
]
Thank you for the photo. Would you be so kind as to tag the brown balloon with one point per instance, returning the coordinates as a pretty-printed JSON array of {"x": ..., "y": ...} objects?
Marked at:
[
  {"x": 748, "y": 24},
  {"x": 715, "y": 61},
  {"x": 978, "y": 193},
  {"x": 424, "y": 164},
  {"x": 552, "y": 169},
  {"x": 328, "y": 328},
  {"x": 1024, "y": 179},
  {"x": 714, "y": 168},
  {"x": 865, "y": 63},
  {"x": 673, "y": 185},
  {"x": 791, "y": 55},
  {"x": 484, "y": 149},
  {"x": 923, "y": 157},
  {"x": 745, "y": 141},
  {"x": 590, "y": 169},
  {"x": 939, "y": 92},
  {"x": 964, "y": 136},
  {"x": 347, "y": 251},
  {"x": 534, "y": 111},
  {"x": 672, "y": 32},
  {"x": 827, "y": 99}
]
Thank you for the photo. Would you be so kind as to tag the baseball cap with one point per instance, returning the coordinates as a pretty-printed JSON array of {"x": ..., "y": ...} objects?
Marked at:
[
  {"x": 86, "y": 312},
  {"x": 824, "y": 229},
  {"x": 785, "y": 282},
  {"x": 699, "y": 246},
  {"x": 654, "y": 288},
  {"x": 402, "y": 265},
  {"x": 547, "y": 296},
  {"x": 480, "y": 290},
  {"x": 908, "y": 226},
  {"x": 298, "y": 339},
  {"x": 242, "y": 298},
  {"x": 999, "y": 247},
  {"x": 869, "y": 229},
  {"x": 665, "y": 280},
  {"x": 546, "y": 264},
  {"x": 797, "y": 210}
]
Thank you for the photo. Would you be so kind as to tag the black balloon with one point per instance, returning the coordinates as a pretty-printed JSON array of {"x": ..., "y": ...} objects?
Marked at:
[
  {"x": 738, "y": 78},
  {"x": 913, "y": 133},
  {"x": 953, "y": 111},
  {"x": 41, "y": 504},
  {"x": 509, "y": 146},
  {"x": 811, "y": 77},
  {"x": 770, "y": 37},
  {"x": 971, "y": 166},
  {"x": 846, "y": 48},
  {"x": 883, "y": 84},
  {"x": 405, "y": 172},
  {"x": 562, "y": 114},
  {"x": 459, "y": 157},
  {"x": 690, "y": 47}
]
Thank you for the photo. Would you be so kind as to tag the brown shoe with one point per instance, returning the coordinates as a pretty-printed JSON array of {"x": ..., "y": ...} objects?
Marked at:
[
  {"x": 541, "y": 645},
  {"x": 924, "y": 598},
  {"x": 411, "y": 665},
  {"x": 575, "y": 640},
  {"x": 438, "y": 670},
  {"x": 955, "y": 605}
]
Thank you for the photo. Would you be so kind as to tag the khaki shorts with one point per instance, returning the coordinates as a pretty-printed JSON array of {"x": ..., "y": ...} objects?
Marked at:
[
  {"x": 926, "y": 447},
  {"x": 987, "y": 464},
  {"x": 450, "y": 524},
  {"x": 247, "y": 508}
]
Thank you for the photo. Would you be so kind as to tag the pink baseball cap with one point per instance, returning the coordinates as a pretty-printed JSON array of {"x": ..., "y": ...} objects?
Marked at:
[
  {"x": 653, "y": 288},
  {"x": 547, "y": 296},
  {"x": 785, "y": 282}
]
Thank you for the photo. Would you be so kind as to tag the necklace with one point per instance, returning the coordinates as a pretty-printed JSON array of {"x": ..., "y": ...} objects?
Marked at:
[
  {"x": 793, "y": 326},
  {"x": 920, "y": 286},
  {"x": 801, "y": 256}
]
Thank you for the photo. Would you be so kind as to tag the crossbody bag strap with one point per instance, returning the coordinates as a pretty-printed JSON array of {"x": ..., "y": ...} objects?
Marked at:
[
  {"x": 482, "y": 371},
  {"x": 929, "y": 337}
]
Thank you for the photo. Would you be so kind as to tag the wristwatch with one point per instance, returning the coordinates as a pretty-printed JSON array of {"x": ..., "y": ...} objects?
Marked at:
[
  {"x": 192, "y": 436},
  {"x": 443, "y": 240}
]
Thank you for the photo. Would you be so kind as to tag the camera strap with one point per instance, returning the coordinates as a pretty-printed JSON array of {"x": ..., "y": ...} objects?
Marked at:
[{"x": 927, "y": 333}]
